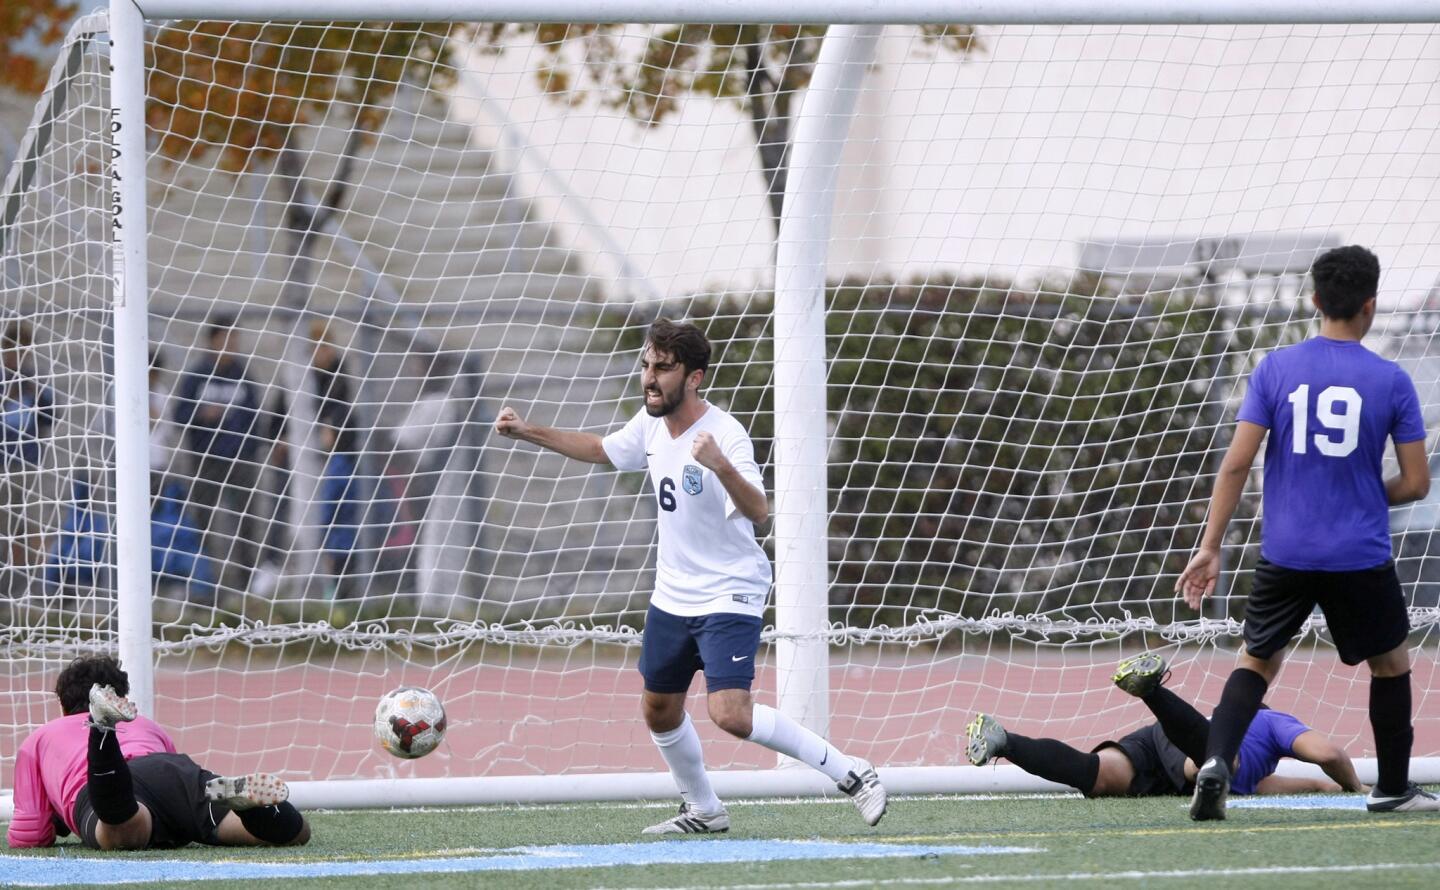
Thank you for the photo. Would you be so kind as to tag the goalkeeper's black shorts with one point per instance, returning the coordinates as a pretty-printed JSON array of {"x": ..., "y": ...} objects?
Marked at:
[
  {"x": 172, "y": 788},
  {"x": 1159, "y": 765}
]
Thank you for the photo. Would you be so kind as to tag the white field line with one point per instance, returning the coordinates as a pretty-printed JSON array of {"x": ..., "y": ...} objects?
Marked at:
[
  {"x": 1072, "y": 876},
  {"x": 669, "y": 805}
]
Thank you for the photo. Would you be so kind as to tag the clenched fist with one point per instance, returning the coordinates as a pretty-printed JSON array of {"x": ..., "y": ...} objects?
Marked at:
[
  {"x": 509, "y": 424},
  {"x": 707, "y": 452}
]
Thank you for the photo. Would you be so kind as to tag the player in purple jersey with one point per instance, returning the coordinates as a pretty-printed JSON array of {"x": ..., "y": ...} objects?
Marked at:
[
  {"x": 1160, "y": 758},
  {"x": 1328, "y": 406}
]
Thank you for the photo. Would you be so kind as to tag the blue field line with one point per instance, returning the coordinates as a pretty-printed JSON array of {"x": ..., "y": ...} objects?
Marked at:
[
  {"x": 1301, "y": 802},
  {"x": 36, "y": 871}
]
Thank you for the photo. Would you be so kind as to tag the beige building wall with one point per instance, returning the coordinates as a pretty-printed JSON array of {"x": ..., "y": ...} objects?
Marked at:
[{"x": 1051, "y": 136}]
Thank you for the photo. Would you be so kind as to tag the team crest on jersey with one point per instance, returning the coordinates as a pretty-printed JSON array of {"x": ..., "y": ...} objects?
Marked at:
[{"x": 691, "y": 480}]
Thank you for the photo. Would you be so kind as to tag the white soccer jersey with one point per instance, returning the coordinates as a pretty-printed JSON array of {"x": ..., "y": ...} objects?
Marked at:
[{"x": 709, "y": 560}]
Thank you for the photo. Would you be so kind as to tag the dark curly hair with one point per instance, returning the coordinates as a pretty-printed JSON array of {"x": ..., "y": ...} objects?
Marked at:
[
  {"x": 1344, "y": 279},
  {"x": 682, "y": 341},
  {"x": 72, "y": 687}
]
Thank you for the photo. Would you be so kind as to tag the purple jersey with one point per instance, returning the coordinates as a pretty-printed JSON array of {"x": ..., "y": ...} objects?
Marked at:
[
  {"x": 1271, "y": 736},
  {"x": 1329, "y": 406}
]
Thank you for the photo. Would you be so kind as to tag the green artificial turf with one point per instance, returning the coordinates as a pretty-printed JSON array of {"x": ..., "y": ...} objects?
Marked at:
[{"x": 1124, "y": 843}]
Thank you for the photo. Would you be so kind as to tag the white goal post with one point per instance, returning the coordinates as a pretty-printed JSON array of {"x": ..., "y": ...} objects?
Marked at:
[{"x": 1182, "y": 311}]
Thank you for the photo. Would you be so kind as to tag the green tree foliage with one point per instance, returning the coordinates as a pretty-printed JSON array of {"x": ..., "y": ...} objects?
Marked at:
[{"x": 995, "y": 450}]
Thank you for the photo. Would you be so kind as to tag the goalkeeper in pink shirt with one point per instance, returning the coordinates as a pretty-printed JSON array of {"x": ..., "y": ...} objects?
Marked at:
[{"x": 115, "y": 779}]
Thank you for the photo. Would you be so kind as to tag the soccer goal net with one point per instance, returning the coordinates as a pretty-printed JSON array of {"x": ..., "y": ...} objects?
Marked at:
[{"x": 985, "y": 295}]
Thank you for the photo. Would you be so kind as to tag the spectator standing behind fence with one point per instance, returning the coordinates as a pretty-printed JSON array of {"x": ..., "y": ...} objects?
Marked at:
[
  {"x": 340, "y": 509},
  {"x": 339, "y": 496},
  {"x": 27, "y": 413},
  {"x": 176, "y": 540},
  {"x": 162, "y": 430},
  {"x": 274, "y": 531},
  {"x": 217, "y": 406},
  {"x": 330, "y": 378}
]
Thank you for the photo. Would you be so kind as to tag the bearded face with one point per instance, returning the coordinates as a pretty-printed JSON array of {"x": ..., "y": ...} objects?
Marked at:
[{"x": 662, "y": 382}]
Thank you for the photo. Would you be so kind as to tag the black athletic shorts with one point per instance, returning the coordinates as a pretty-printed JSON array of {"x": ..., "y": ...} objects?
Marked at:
[
  {"x": 1159, "y": 765},
  {"x": 1365, "y": 610},
  {"x": 172, "y": 788}
]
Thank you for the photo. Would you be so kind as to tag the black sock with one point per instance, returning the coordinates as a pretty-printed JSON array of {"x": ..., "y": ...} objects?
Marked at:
[
  {"x": 1053, "y": 760},
  {"x": 1185, "y": 727},
  {"x": 277, "y": 825},
  {"x": 112, "y": 792},
  {"x": 1394, "y": 734},
  {"x": 1238, "y": 704}
]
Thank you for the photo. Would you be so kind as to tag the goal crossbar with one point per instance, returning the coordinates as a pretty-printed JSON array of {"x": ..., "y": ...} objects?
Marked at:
[{"x": 915, "y": 12}]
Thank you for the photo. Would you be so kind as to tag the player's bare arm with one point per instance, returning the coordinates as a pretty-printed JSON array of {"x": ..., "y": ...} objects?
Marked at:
[
  {"x": 1312, "y": 747},
  {"x": 1413, "y": 482},
  {"x": 573, "y": 444},
  {"x": 751, "y": 501},
  {"x": 1198, "y": 579},
  {"x": 1294, "y": 785}
]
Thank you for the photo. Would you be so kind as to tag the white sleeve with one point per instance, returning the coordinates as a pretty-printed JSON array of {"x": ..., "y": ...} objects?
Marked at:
[
  {"x": 740, "y": 451},
  {"x": 625, "y": 447}
]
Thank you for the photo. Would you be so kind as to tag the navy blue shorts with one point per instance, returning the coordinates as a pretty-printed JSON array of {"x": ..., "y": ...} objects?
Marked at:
[{"x": 723, "y": 645}]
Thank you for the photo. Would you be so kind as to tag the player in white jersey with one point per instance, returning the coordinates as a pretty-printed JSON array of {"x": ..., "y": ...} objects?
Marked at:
[{"x": 711, "y": 576}]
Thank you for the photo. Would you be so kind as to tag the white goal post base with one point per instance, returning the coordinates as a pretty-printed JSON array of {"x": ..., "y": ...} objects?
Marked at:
[
  {"x": 353, "y": 794},
  {"x": 736, "y": 784},
  {"x": 729, "y": 784}
]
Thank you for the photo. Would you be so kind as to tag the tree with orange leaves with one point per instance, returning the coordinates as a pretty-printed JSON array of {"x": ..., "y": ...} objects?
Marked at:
[
  {"x": 244, "y": 90},
  {"x": 29, "y": 33},
  {"x": 761, "y": 68}
]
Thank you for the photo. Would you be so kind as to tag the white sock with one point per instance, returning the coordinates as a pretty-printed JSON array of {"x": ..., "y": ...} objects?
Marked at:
[
  {"x": 681, "y": 749},
  {"x": 782, "y": 735}
]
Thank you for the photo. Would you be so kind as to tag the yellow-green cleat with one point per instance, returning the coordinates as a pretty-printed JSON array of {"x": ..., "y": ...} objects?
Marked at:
[
  {"x": 1142, "y": 674},
  {"x": 985, "y": 739}
]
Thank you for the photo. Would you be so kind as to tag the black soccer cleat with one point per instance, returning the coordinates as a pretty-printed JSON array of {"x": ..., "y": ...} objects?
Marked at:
[{"x": 1212, "y": 787}]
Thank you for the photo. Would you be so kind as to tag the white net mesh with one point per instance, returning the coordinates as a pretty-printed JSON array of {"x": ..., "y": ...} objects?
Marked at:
[
  {"x": 1057, "y": 254},
  {"x": 56, "y": 450}
]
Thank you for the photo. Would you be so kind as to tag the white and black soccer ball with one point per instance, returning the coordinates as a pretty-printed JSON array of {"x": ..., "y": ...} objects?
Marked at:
[{"x": 409, "y": 722}]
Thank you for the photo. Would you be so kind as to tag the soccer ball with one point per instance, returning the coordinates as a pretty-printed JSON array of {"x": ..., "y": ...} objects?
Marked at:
[{"x": 409, "y": 722}]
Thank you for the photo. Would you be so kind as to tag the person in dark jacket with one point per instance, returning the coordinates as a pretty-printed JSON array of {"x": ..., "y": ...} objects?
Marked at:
[
  {"x": 176, "y": 544},
  {"x": 217, "y": 407},
  {"x": 27, "y": 413},
  {"x": 341, "y": 505}
]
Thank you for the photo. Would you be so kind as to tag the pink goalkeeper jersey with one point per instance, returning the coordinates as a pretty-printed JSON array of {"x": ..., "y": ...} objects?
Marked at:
[{"x": 51, "y": 768}]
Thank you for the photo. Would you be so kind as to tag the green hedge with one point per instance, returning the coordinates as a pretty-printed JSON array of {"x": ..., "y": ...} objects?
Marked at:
[{"x": 998, "y": 449}]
